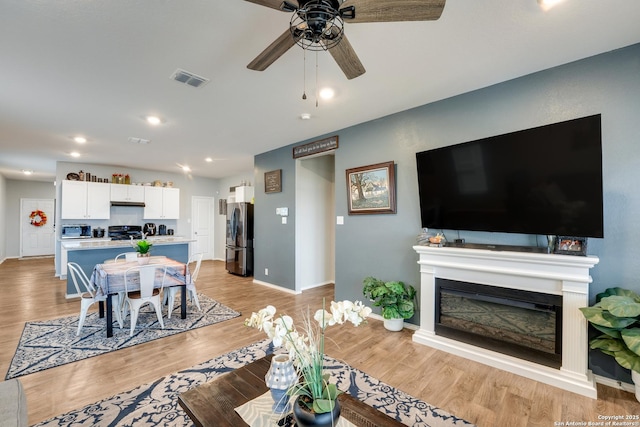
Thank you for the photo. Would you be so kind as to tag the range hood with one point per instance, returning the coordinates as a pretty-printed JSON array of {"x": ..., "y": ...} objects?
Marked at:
[{"x": 134, "y": 204}]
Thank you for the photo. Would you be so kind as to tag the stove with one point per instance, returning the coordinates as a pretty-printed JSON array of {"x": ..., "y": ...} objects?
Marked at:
[{"x": 125, "y": 232}]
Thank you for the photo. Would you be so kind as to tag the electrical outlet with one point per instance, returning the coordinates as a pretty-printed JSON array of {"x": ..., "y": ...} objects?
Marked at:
[{"x": 266, "y": 271}]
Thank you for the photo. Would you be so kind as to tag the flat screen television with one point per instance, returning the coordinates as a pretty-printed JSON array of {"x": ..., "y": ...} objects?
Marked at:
[{"x": 545, "y": 180}]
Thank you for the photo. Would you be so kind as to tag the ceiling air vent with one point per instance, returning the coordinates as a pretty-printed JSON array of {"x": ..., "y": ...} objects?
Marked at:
[
  {"x": 138, "y": 140},
  {"x": 191, "y": 79}
]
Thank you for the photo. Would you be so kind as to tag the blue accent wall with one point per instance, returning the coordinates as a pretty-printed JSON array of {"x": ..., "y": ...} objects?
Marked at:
[{"x": 380, "y": 245}]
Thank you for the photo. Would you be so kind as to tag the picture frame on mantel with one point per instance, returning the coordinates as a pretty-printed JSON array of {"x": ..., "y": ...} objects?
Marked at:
[
  {"x": 371, "y": 189},
  {"x": 571, "y": 245},
  {"x": 273, "y": 181}
]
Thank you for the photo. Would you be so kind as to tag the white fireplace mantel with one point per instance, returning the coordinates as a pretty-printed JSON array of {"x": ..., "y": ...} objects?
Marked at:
[{"x": 563, "y": 275}]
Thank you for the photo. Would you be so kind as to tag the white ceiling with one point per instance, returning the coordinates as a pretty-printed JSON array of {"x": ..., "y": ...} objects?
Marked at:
[{"x": 97, "y": 67}]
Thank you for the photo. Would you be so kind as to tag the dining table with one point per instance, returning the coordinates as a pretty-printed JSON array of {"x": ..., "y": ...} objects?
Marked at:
[{"x": 108, "y": 279}]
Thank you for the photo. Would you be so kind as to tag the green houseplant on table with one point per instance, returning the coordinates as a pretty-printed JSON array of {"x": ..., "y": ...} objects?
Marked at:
[
  {"x": 143, "y": 247},
  {"x": 398, "y": 301},
  {"x": 616, "y": 314},
  {"x": 316, "y": 395}
]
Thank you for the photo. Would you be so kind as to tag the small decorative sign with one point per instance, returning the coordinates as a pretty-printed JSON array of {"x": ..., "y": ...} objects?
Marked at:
[
  {"x": 315, "y": 147},
  {"x": 273, "y": 181}
]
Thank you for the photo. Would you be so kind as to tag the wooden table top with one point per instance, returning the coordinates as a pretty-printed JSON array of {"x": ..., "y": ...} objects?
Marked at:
[{"x": 214, "y": 403}]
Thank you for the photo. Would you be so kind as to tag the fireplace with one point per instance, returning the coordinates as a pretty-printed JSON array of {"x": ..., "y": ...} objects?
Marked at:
[
  {"x": 519, "y": 323},
  {"x": 555, "y": 287}
]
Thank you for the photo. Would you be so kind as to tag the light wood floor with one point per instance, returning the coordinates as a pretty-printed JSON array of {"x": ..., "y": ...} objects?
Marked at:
[{"x": 482, "y": 395}]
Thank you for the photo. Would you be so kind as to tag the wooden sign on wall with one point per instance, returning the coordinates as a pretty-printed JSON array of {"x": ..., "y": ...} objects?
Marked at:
[
  {"x": 273, "y": 181},
  {"x": 315, "y": 147}
]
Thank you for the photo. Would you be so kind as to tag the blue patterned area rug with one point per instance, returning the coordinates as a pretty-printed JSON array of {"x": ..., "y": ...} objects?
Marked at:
[
  {"x": 52, "y": 343},
  {"x": 156, "y": 404}
]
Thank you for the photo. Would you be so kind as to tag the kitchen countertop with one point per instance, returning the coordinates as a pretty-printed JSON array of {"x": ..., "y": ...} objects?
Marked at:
[{"x": 75, "y": 245}]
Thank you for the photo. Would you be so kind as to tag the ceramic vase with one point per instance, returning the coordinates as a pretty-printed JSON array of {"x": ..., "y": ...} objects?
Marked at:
[
  {"x": 280, "y": 376},
  {"x": 306, "y": 418},
  {"x": 143, "y": 259},
  {"x": 636, "y": 380},
  {"x": 394, "y": 324}
]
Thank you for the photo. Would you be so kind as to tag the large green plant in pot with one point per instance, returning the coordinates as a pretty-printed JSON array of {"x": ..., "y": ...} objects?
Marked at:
[
  {"x": 616, "y": 314},
  {"x": 398, "y": 301}
]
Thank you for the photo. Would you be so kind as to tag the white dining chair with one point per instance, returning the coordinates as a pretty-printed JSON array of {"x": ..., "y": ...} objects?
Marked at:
[
  {"x": 170, "y": 293},
  {"x": 89, "y": 295},
  {"x": 147, "y": 293},
  {"x": 125, "y": 256}
]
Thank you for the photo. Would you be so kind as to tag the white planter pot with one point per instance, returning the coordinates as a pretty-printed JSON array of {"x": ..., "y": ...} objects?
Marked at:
[
  {"x": 636, "y": 380},
  {"x": 394, "y": 324}
]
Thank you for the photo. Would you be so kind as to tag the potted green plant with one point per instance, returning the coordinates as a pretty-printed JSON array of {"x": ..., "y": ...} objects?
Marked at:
[
  {"x": 616, "y": 314},
  {"x": 398, "y": 301},
  {"x": 143, "y": 248}
]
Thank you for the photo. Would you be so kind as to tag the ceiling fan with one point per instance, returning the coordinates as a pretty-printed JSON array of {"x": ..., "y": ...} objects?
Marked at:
[{"x": 318, "y": 25}]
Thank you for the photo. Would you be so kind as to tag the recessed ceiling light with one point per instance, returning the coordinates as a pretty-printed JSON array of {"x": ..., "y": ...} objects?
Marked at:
[
  {"x": 548, "y": 4},
  {"x": 27, "y": 171},
  {"x": 184, "y": 168},
  {"x": 208, "y": 160},
  {"x": 153, "y": 120},
  {"x": 80, "y": 139},
  {"x": 74, "y": 154},
  {"x": 327, "y": 93},
  {"x": 305, "y": 116}
]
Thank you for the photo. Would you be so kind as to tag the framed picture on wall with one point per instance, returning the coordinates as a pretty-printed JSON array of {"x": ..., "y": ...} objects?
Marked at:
[
  {"x": 273, "y": 181},
  {"x": 371, "y": 189}
]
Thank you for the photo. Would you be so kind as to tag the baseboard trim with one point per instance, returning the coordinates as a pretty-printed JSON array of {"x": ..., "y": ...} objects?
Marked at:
[{"x": 272, "y": 286}]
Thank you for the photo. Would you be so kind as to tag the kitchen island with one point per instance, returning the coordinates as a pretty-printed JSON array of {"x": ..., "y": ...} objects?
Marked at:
[{"x": 91, "y": 252}]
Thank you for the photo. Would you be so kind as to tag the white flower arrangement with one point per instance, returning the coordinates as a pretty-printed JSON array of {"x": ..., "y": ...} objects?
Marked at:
[{"x": 307, "y": 350}]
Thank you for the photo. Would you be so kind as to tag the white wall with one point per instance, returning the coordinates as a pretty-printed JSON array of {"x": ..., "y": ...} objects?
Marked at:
[
  {"x": 315, "y": 229},
  {"x": 3, "y": 219},
  {"x": 16, "y": 190}
]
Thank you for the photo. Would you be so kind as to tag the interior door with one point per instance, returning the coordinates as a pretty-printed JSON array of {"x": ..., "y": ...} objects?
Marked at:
[
  {"x": 37, "y": 240},
  {"x": 202, "y": 210}
]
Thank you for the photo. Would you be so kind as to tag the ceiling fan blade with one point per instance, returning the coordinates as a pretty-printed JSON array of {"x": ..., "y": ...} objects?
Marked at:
[
  {"x": 394, "y": 10},
  {"x": 347, "y": 59},
  {"x": 274, "y": 51},
  {"x": 284, "y": 6}
]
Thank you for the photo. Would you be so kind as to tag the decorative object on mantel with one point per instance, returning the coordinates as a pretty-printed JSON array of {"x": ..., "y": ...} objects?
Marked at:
[
  {"x": 143, "y": 248},
  {"x": 616, "y": 314},
  {"x": 315, "y": 393},
  {"x": 398, "y": 301},
  {"x": 279, "y": 378},
  {"x": 570, "y": 245},
  {"x": 371, "y": 189}
]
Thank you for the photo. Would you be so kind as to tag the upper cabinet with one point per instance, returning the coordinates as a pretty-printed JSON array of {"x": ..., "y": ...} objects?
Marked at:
[
  {"x": 127, "y": 193},
  {"x": 85, "y": 200},
  {"x": 161, "y": 203},
  {"x": 244, "y": 193}
]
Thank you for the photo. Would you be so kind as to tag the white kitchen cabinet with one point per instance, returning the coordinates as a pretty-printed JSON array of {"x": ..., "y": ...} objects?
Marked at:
[
  {"x": 85, "y": 200},
  {"x": 244, "y": 193},
  {"x": 161, "y": 203},
  {"x": 127, "y": 193}
]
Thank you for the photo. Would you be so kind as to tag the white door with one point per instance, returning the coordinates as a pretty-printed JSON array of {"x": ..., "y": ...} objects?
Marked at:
[
  {"x": 202, "y": 210},
  {"x": 37, "y": 235}
]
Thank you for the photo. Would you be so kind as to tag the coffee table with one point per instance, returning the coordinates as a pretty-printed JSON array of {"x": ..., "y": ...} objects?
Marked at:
[{"x": 214, "y": 403}]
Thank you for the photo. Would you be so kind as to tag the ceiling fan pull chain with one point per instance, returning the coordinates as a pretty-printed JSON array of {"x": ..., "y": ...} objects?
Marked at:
[
  {"x": 304, "y": 74},
  {"x": 316, "y": 79}
]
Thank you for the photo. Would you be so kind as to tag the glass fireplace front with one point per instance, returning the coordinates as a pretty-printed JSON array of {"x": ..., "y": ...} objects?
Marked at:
[{"x": 523, "y": 324}]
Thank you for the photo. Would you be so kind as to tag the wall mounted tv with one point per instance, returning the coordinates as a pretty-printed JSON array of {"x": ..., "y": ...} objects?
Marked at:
[{"x": 546, "y": 180}]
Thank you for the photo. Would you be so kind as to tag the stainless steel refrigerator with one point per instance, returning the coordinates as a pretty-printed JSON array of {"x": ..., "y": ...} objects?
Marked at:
[{"x": 239, "y": 249}]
